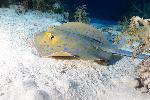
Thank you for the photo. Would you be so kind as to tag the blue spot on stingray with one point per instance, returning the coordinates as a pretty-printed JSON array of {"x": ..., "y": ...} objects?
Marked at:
[
  {"x": 65, "y": 49},
  {"x": 65, "y": 44}
]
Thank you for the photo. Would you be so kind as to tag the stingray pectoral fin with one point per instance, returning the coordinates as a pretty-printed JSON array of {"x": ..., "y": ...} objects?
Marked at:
[
  {"x": 64, "y": 55},
  {"x": 105, "y": 55},
  {"x": 61, "y": 54},
  {"x": 109, "y": 57}
]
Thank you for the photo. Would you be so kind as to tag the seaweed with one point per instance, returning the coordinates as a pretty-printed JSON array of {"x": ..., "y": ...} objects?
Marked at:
[
  {"x": 41, "y": 5},
  {"x": 81, "y": 15},
  {"x": 137, "y": 31}
]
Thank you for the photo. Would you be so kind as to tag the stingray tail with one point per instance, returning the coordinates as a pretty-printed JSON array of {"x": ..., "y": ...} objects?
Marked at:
[
  {"x": 128, "y": 53},
  {"x": 113, "y": 55}
]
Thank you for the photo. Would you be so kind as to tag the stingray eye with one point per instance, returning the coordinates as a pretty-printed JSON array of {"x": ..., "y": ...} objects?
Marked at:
[{"x": 52, "y": 36}]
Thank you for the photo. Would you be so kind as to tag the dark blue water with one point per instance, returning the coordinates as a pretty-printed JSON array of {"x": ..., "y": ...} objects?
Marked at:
[
  {"x": 108, "y": 9},
  {"x": 101, "y": 9},
  {"x": 105, "y": 9},
  {"x": 113, "y": 9}
]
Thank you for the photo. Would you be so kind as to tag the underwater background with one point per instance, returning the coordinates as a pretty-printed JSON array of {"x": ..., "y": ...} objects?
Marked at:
[
  {"x": 102, "y": 9},
  {"x": 74, "y": 50}
]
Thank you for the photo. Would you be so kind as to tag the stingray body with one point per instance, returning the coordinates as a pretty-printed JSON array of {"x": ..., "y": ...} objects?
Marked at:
[{"x": 74, "y": 39}]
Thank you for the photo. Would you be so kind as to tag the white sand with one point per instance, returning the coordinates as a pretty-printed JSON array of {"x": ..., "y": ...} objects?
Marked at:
[{"x": 25, "y": 76}]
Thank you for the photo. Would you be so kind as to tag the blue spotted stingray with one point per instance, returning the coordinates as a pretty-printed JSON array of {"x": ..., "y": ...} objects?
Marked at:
[{"x": 77, "y": 40}]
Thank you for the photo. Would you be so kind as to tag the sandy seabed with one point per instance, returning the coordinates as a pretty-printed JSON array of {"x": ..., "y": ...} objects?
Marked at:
[{"x": 25, "y": 76}]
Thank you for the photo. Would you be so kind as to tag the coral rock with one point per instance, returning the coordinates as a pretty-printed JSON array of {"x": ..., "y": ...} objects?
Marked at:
[{"x": 143, "y": 72}]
